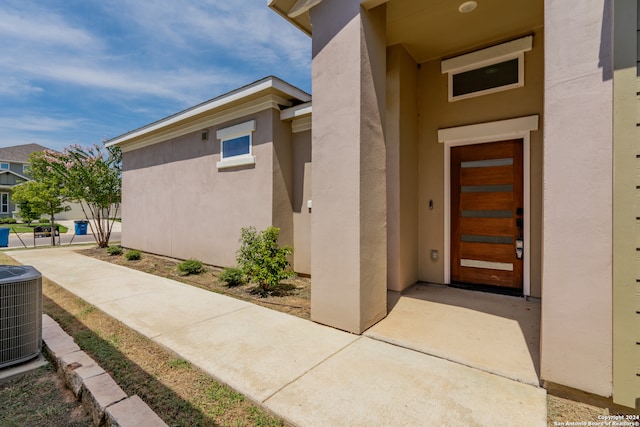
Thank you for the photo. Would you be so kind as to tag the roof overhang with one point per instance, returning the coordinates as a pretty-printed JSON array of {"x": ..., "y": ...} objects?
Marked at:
[
  {"x": 269, "y": 92},
  {"x": 295, "y": 11},
  {"x": 299, "y": 116}
]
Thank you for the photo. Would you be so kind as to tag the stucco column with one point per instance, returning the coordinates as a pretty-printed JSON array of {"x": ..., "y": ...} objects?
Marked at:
[
  {"x": 348, "y": 221},
  {"x": 576, "y": 335},
  {"x": 402, "y": 169}
]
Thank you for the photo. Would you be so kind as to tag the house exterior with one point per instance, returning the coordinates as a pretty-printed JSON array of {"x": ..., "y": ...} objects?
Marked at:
[
  {"x": 14, "y": 170},
  {"x": 491, "y": 143},
  {"x": 191, "y": 181}
]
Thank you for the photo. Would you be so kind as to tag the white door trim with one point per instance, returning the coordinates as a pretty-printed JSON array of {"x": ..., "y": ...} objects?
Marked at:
[{"x": 518, "y": 128}]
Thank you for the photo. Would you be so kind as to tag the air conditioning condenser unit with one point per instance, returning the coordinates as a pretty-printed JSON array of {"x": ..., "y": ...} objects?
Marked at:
[{"x": 20, "y": 314}]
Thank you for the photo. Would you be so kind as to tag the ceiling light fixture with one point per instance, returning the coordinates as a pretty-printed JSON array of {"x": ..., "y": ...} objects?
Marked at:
[{"x": 467, "y": 7}]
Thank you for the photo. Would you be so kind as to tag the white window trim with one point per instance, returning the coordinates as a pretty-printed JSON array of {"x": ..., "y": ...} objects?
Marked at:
[
  {"x": 5, "y": 163},
  {"x": 233, "y": 132},
  {"x": 2, "y": 210},
  {"x": 502, "y": 130},
  {"x": 483, "y": 58}
]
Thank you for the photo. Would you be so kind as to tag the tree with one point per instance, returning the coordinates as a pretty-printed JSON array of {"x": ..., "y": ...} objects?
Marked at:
[
  {"x": 45, "y": 197},
  {"x": 27, "y": 212},
  {"x": 91, "y": 177}
]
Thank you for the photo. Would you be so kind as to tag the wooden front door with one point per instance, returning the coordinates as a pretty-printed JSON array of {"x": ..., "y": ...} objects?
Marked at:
[{"x": 487, "y": 214}]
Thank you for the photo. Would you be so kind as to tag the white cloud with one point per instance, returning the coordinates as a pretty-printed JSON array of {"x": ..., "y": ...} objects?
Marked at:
[
  {"x": 245, "y": 29},
  {"x": 12, "y": 86},
  {"x": 37, "y": 123},
  {"x": 42, "y": 28},
  {"x": 96, "y": 67}
]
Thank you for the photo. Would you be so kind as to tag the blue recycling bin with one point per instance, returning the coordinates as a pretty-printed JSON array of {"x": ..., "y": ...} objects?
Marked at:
[
  {"x": 80, "y": 227},
  {"x": 4, "y": 236}
]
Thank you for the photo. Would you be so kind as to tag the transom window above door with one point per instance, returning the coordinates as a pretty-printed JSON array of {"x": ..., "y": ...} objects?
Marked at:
[{"x": 486, "y": 71}]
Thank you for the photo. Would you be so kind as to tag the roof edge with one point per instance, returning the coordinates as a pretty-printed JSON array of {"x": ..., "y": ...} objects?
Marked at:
[
  {"x": 214, "y": 103},
  {"x": 294, "y": 20}
]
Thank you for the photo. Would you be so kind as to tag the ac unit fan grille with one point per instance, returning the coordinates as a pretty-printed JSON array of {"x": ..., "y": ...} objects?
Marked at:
[{"x": 20, "y": 321}]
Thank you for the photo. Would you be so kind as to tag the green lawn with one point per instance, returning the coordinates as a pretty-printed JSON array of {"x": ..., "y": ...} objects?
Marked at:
[{"x": 24, "y": 228}]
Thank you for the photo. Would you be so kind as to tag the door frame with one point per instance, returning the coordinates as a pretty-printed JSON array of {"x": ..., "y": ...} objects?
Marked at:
[{"x": 502, "y": 130}]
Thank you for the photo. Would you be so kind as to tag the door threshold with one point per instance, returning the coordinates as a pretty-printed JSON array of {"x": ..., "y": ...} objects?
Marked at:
[{"x": 489, "y": 289}]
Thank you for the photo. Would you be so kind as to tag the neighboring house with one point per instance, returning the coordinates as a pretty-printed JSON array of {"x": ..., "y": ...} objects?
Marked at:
[
  {"x": 14, "y": 170},
  {"x": 495, "y": 145}
]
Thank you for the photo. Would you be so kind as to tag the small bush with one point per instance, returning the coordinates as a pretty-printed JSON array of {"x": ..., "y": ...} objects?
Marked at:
[
  {"x": 10, "y": 221},
  {"x": 191, "y": 266},
  {"x": 114, "y": 250},
  {"x": 44, "y": 221},
  {"x": 133, "y": 255},
  {"x": 261, "y": 259},
  {"x": 232, "y": 276}
]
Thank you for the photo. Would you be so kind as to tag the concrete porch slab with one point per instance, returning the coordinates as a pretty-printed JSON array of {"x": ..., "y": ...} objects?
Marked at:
[{"x": 494, "y": 333}]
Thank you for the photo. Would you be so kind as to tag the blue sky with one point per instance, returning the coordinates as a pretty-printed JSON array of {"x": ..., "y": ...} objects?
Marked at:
[{"x": 81, "y": 71}]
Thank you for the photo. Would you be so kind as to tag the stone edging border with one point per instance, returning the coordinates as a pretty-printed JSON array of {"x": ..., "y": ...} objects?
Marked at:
[{"x": 105, "y": 401}]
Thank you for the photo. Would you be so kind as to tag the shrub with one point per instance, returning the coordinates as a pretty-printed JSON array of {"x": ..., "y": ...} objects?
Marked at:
[
  {"x": 261, "y": 259},
  {"x": 44, "y": 221},
  {"x": 191, "y": 266},
  {"x": 10, "y": 220},
  {"x": 114, "y": 250},
  {"x": 133, "y": 255},
  {"x": 232, "y": 276}
]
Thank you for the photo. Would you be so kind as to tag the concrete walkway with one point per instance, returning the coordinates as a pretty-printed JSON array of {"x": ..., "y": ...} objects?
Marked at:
[{"x": 308, "y": 374}]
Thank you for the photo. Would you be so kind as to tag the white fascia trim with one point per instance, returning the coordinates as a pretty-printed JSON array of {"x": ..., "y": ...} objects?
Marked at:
[
  {"x": 215, "y": 104},
  {"x": 301, "y": 7},
  {"x": 300, "y": 125},
  {"x": 296, "y": 112},
  {"x": 300, "y": 117},
  {"x": 495, "y": 130},
  {"x": 490, "y": 55},
  {"x": 253, "y": 107},
  {"x": 235, "y": 161}
]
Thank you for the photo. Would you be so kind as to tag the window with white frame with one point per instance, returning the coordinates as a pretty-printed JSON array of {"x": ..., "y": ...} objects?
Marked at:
[
  {"x": 489, "y": 70},
  {"x": 26, "y": 169},
  {"x": 4, "y": 203},
  {"x": 236, "y": 145},
  {"x": 4, "y": 166}
]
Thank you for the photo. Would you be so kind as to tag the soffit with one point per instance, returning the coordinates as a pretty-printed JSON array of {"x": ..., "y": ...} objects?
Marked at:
[
  {"x": 435, "y": 28},
  {"x": 283, "y": 7}
]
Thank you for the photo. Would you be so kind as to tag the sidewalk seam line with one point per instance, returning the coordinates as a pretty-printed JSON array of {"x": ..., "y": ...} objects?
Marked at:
[
  {"x": 198, "y": 322},
  {"x": 312, "y": 368}
]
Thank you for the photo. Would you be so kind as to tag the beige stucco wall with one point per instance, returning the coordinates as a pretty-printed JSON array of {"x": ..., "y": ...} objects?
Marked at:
[
  {"x": 282, "y": 180},
  {"x": 576, "y": 333},
  {"x": 402, "y": 169},
  {"x": 301, "y": 143},
  {"x": 177, "y": 203},
  {"x": 348, "y": 225},
  {"x": 437, "y": 113}
]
